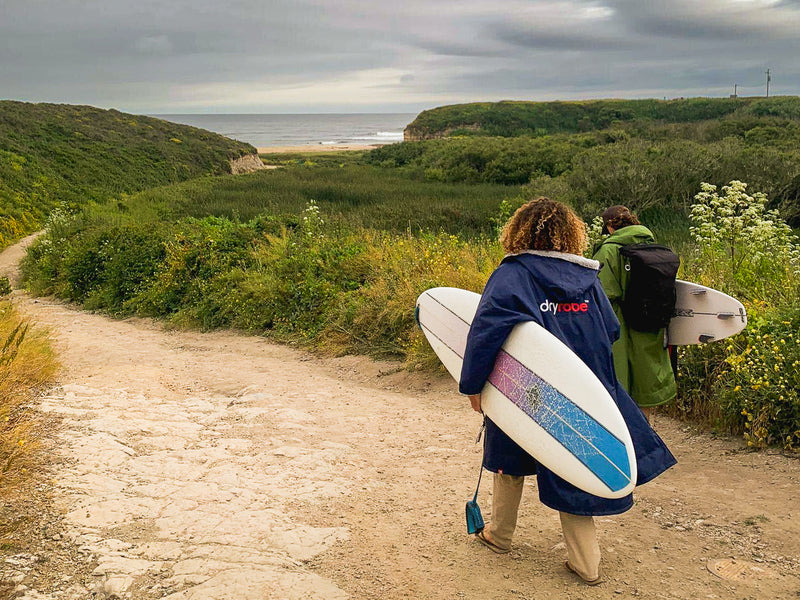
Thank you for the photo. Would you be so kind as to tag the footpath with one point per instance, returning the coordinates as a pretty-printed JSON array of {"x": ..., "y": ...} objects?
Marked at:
[{"x": 200, "y": 466}]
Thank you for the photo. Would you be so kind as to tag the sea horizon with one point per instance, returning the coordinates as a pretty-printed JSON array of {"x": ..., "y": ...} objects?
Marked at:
[{"x": 300, "y": 129}]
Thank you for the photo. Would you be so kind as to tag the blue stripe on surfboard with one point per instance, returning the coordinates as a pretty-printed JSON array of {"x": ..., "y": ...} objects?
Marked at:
[{"x": 591, "y": 443}]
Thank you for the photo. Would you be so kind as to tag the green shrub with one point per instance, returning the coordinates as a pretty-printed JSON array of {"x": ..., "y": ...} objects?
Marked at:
[
  {"x": 760, "y": 393},
  {"x": 348, "y": 289},
  {"x": 312, "y": 267},
  {"x": 196, "y": 252},
  {"x": 377, "y": 317},
  {"x": 643, "y": 164},
  {"x": 749, "y": 384}
]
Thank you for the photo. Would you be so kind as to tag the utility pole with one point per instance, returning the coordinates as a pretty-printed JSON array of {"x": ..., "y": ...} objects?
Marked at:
[{"x": 768, "y": 80}]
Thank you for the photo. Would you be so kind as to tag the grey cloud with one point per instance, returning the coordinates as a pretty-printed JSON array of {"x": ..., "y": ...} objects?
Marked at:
[
  {"x": 459, "y": 49},
  {"x": 727, "y": 20},
  {"x": 542, "y": 39},
  {"x": 134, "y": 54},
  {"x": 153, "y": 44}
]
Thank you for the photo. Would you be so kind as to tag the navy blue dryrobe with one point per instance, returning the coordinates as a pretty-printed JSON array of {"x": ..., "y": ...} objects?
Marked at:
[{"x": 561, "y": 292}]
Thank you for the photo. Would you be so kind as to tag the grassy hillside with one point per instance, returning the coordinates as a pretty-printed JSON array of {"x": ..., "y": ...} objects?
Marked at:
[
  {"x": 511, "y": 119},
  {"x": 643, "y": 163},
  {"x": 52, "y": 154}
]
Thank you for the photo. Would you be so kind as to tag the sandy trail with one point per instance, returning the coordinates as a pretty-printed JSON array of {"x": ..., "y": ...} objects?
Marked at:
[{"x": 212, "y": 466}]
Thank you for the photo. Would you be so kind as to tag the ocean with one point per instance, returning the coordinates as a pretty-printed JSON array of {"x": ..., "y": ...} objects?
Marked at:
[{"x": 300, "y": 130}]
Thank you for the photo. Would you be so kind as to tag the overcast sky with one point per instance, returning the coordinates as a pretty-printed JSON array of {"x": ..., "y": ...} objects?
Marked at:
[{"x": 173, "y": 56}]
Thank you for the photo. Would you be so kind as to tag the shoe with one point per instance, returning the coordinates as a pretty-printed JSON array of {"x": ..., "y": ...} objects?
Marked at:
[
  {"x": 597, "y": 580},
  {"x": 481, "y": 536}
]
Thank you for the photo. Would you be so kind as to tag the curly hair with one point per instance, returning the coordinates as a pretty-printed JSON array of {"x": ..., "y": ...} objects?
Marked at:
[{"x": 544, "y": 224}]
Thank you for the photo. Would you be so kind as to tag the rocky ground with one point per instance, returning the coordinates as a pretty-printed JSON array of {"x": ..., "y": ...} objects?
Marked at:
[{"x": 209, "y": 466}]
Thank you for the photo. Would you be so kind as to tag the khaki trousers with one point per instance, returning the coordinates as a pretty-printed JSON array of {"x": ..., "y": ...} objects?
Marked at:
[{"x": 580, "y": 536}]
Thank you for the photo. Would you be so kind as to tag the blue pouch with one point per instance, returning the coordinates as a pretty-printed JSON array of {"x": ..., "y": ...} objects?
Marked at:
[
  {"x": 474, "y": 518},
  {"x": 475, "y": 522}
]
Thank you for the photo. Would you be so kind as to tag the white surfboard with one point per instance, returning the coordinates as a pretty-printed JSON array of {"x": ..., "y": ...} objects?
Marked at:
[
  {"x": 541, "y": 394},
  {"x": 704, "y": 315}
]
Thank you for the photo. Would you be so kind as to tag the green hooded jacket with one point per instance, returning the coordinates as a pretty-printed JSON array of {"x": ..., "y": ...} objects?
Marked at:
[{"x": 640, "y": 359}]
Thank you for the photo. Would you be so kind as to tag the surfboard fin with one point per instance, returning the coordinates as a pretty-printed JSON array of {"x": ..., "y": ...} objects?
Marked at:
[
  {"x": 726, "y": 315},
  {"x": 705, "y": 338}
]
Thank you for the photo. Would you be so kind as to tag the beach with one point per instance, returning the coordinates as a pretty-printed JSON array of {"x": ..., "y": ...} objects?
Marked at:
[
  {"x": 316, "y": 148},
  {"x": 310, "y": 132}
]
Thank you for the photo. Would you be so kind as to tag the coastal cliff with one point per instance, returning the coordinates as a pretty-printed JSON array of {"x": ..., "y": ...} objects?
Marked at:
[
  {"x": 415, "y": 134},
  {"x": 521, "y": 118}
]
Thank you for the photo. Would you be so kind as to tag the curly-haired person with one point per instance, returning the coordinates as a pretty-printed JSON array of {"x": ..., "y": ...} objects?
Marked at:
[{"x": 544, "y": 240}]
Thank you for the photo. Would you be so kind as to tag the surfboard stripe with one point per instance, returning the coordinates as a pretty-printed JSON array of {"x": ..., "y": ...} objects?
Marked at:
[
  {"x": 575, "y": 429},
  {"x": 451, "y": 329}
]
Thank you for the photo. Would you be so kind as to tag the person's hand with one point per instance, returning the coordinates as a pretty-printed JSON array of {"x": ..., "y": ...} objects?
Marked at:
[{"x": 475, "y": 400}]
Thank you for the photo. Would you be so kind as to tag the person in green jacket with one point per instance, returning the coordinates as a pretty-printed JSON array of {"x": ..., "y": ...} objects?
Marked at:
[{"x": 641, "y": 359}]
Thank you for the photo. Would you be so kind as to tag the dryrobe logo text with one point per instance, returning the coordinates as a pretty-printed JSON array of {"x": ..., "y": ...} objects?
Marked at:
[{"x": 564, "y": 307}]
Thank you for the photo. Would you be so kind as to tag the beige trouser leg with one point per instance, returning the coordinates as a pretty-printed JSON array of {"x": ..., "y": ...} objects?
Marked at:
[
  {"x": 583, "y": 551},
  {"x": 506, "y": 495}
]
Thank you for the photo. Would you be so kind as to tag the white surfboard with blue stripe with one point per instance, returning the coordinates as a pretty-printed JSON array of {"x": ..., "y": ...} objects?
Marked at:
[{"x": 542, "y": 395}]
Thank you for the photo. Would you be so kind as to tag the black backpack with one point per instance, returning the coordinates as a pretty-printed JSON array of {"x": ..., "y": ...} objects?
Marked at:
[{"x": 649, "y": 301}]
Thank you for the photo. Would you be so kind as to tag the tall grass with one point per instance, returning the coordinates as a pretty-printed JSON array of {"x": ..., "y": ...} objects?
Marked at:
[
  {"x": 352, "y": 195},
  {"x": 27, "y": 366}
]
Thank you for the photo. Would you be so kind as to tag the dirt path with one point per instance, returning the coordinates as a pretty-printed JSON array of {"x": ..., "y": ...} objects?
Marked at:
[{"x": 208, "y": 466}]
